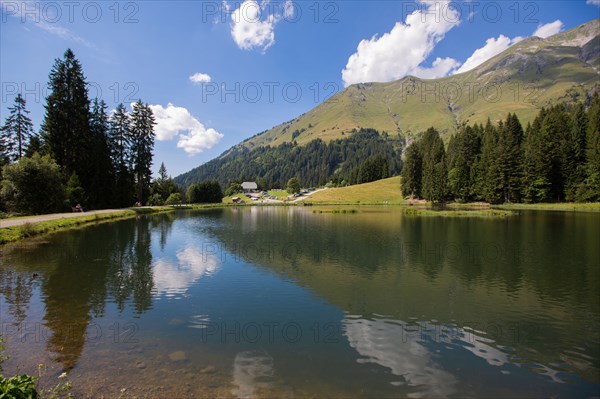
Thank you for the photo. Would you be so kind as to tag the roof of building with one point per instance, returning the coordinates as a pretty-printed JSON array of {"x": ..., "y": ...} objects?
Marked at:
[{"x": 249, "y": 185}]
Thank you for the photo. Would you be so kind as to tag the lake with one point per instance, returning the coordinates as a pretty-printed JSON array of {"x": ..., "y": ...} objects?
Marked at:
[{"x": 289, "y": 302}]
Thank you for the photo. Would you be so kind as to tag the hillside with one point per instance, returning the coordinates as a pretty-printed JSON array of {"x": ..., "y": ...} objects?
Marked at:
[{"x": 533, "y": 73}]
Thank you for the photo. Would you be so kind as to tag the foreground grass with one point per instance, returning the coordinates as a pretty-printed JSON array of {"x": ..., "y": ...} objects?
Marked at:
[
  {"x": 16, "y": 233},
  {"x": 386, "y": 191}
]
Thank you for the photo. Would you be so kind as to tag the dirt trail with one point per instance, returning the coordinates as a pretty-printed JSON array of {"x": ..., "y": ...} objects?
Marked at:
[{"x": 43, "y": 218}]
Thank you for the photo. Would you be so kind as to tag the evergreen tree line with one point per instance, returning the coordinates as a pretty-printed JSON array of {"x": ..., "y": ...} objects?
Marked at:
[
  {"x": 365, "y": 155},
  {"x": 207, "y": 192},
  {"x": 555, "y": 158},
  {"x": 103, "y": 160}
]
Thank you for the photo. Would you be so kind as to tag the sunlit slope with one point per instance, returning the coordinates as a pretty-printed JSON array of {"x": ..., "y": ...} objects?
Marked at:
[{"x": 381, "y": 191}]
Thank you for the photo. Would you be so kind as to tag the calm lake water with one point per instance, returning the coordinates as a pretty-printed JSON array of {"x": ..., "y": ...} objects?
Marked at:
[{"x": 286, "y": 302}]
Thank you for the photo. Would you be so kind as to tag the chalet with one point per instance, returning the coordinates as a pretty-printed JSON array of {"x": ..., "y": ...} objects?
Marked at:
[{"x": 249, "y": 187}]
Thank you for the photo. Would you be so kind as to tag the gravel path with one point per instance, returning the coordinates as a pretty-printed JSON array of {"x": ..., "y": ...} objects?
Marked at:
[{"x": 43, "y": 218}]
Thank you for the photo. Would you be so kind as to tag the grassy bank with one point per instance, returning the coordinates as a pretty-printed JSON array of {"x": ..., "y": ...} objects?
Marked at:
[
  {"x": 386, "y": 191},
  {"x": 16, "y": 233}
]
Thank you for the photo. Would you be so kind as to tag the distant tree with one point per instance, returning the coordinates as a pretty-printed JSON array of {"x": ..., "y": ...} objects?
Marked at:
[
  {"x": 293, "y": 186},
  {"x": 163, "y": 185},
  {"x": 17, "y": 130},
  {"x": 233, "y": 187},
  {"x": 434, "y": 167},
  {"x": 142, "y": 143},
  {"x": 487, "y": 185},
  {"x": 509, "y": 157},
  {"x": 119, "y": 144},
  {"x": 174, "y": 199},
  {"x": 155, "y": 199},
  {"x": 75, "y": 194},
  {"x": 462, "y": 154},
  {"x": 33, "y": 185},
  {"x": 537, "y": 161},
  {"x": 101, "y": 192},
  {"x": 589, "y": 190},
  {"x": 208, "y": 192},
  {"x": 572, "y": 152},
  {"x": 372, "y": 169},
  {"x": 35, "y": 145},
  {"x": 412, "y": 171}
]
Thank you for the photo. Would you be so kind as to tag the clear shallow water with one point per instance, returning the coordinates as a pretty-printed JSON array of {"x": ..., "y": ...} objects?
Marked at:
[{"x": 284, "y": 302}]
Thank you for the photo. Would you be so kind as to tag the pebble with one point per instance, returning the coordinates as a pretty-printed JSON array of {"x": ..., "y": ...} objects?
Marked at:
[
  {"x": 209, "y": 370},
  {"x": 177, "y": 356}
]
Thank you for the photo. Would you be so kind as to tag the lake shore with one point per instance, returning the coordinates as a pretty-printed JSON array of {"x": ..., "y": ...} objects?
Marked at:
[{"x": 18, "y": 228}]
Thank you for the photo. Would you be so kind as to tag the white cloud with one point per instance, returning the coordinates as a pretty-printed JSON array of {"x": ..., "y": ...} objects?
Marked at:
[
  {"x": 249, "y": 30},
  {"x": 173, "y": 121},
  {"x": 491, "y": 48},
  {"x": 32, "y": 12},
  {"x": 593, "y": 2},
  {"x": 440, "y": 67},
  {"x": 494, "y": 46},
  {"x": 548, "y": 29},
  {"x": 198, "y": 78},
  {"x": 289, "y": 9},
  {"x": 401, "y": 51}
]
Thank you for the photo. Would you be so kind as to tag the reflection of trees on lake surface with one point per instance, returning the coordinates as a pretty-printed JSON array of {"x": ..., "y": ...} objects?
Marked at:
[
  {"x": 507, "y": 277},
  {"x": 16, "y": 288},
  {"x": 110, "y": 262}
]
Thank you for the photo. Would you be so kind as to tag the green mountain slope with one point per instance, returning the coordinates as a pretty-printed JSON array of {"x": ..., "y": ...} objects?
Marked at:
[{"x": 533, "y": 73}]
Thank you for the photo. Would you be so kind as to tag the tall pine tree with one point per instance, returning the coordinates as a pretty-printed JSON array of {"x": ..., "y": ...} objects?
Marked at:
[
  {"x": 590, "y": 189},
  {"x": 142, "y": 142},
  {"x": 119, "y": 144},
  {"x": 66, "y": 128},
  {"x": 434, "y": 166},
  {"x": 102, "y": 191},
  {"x": 17, "y": 130},
  {"x": 412, "y": 171}
]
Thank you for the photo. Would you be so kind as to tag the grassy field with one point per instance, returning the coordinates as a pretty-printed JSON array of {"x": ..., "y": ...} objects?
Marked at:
[
  {"x": 16, "y": 233},
  {"x": 281, "y": 195},
  {"x": 378, "y": 192}
]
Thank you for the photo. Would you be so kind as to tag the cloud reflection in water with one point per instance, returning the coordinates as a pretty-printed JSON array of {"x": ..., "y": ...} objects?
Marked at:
[{"x": 176, "y": 277}]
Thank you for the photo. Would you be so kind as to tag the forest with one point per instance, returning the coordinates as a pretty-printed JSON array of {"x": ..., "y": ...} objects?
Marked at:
[
  {"x": 81, "y": 155},
  {"x": 556, "y": 158},
  {"x": 366, "y": 155}
]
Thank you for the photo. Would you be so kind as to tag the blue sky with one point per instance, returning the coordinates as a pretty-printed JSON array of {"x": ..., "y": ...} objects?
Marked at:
[{"x": 218, "y": 72}]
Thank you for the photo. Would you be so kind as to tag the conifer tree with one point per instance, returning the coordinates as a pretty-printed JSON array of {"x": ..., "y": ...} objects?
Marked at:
[
  {"x": 590, "y": 190},
  {"x": 536, "y": 162},
  {"x": 17, "y": 130},
  {"x": 142, "y": 142},
  {"x": 102, "y": 191},
  {"x": 412, "y": 171},
  {"x": 434, "y": 166},
  {"x": 66, "y": 126},
  {"x": 119, "y": 145},
  {"x": 573, "y": 152}
]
